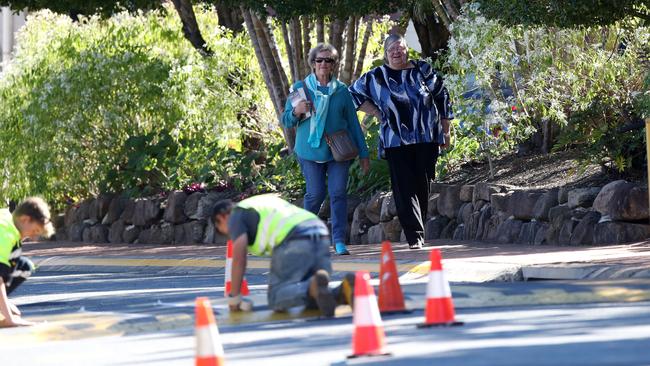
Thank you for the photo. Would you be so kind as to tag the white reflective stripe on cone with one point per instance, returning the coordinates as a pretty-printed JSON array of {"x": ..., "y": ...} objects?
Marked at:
[
  {"x": 208, "y": 342},
  {"x": 438, "y": 287},
  {"x": 366, "y": 311}
]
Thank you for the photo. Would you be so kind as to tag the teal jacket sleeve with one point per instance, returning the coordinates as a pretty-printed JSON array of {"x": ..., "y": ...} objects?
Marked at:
[
  {"x": 354, "y": 127},
  {"x": 288, "y": 119}
]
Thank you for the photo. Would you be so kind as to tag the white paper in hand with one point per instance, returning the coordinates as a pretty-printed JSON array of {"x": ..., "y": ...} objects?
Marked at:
[{"x": 297, "y": 96}]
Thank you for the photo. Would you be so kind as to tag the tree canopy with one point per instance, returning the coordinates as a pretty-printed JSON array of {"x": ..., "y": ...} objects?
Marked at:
[
  {"x": 103, "y": 7},
  {"x": 565, "y": 13},
  {"x": 283, "y": 9},
  {"x": 286, "y": 9}
]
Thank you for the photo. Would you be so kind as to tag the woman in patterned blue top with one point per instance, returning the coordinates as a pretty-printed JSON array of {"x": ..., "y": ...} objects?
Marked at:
[{"x": 410, "y": 100}]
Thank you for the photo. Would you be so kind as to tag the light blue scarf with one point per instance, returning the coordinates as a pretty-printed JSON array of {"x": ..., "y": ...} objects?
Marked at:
[{"x": 321, "y": 104}]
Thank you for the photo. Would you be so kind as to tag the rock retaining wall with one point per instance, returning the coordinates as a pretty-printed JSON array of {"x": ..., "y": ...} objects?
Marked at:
[
  {"x": 615, "y": 213},
  {"x": 179, "y": 218}
]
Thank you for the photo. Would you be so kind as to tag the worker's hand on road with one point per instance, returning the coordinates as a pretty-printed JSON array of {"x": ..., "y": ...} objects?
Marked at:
[
  {"x": 15, "y": 321},
  {"x": 238, "y": 303},
  {"x": 14, "y": 309}
]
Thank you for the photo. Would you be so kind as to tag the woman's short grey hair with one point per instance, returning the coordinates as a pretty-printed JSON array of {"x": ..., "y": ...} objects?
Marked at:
[
  {"x": 392, "y": 38},
  {"x": 321, "y": 47}
]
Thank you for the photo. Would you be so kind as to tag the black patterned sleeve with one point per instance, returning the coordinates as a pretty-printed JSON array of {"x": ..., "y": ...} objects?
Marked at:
[
  {"x": 360, "y": 90},
  {"x": 436, "y": 86}
]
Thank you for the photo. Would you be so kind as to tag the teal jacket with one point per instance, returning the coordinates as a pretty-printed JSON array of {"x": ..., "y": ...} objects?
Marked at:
[{"x": 342, "y": 114}]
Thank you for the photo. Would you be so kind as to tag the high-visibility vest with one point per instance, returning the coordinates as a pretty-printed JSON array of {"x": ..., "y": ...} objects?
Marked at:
[
  {"x": 10, "y": 246},
  {"x": 277, "y": 218}
]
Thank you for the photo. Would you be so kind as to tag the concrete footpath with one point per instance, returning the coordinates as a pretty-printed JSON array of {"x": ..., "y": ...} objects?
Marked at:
[{"x": 463, "y": 261}]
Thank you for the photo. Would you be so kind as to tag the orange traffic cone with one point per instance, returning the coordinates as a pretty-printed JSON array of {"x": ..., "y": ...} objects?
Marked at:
[
  {"x": 226, "y": 288},
  {"x": 209, "y": 351},
  {"x": 391, "y": 299},
  {"x": 439, "y": 310},
  {"x": 368, "y": 337}
]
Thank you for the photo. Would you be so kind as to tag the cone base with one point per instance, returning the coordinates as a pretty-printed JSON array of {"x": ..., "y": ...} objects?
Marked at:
[
  {"x": 431, "y": 325},
  {"x": 385, "y": 354},
  {"x": 208, "y": 361},
  {"x": 391, "y": 312}
]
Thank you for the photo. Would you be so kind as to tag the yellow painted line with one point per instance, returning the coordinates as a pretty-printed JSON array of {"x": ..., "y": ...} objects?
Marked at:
[
  {"x": 473, "y": 297},
  {"x": 420, "y": 269},
  {"x": 66, "y": 327},
  {"x": 75, "y": 326},
  {"x": 342, "y": 266},
  {"x": 83, "y": 325},
  {"x": 132, "y": 262}
]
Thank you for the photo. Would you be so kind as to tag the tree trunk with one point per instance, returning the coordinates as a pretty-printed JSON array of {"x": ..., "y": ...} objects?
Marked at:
[
  {"x": 451, "y": 9},
  {"x": 230, "y": 17},
  {"x": 362, "y": 52},
  {"x": 268, "y": 50},
  {"x": 337, "y": 26},
  {"x": 191, "y": 29},
  {"x": 432, "y": 34},
  {"x": 264, "y": 55},
  {"x": 350, "y": 43},
  {"x": 306, "y": 40},
  {"x": 275, "y": 51},
  {"x": 248, "y": 21},
  {"x": 296, "y": 40},
  {"x": 320, "y": 30},
  {"x": 442, "y": 14},
  {"x": 292, "y": 61}
]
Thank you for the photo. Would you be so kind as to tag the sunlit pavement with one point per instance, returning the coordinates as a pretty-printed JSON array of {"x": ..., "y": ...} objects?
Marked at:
[{"x": 124, "y": 318}]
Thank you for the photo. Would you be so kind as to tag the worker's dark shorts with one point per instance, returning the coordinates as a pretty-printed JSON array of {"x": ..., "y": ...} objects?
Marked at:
[{"x": 22, "y": 269}]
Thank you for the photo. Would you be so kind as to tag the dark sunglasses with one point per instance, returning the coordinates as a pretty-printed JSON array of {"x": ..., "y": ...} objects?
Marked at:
[{"x": 326, "y": 60}]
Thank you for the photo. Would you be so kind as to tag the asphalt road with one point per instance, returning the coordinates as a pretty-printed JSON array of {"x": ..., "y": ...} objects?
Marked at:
[{"x": 146, "y": 318}]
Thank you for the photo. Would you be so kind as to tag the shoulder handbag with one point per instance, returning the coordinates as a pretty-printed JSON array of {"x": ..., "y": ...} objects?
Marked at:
[{"x": 341, "y": 145}]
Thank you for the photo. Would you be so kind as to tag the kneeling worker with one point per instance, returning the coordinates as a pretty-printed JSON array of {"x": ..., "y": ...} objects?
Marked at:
[
  {"x": 30, "y": 219},
  {"x": 298, "y": 243}
]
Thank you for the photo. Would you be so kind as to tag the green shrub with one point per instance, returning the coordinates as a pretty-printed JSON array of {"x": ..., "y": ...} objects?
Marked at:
[
  {"x": 123, "y": 104},
  {"x": 587, "y": 80}
]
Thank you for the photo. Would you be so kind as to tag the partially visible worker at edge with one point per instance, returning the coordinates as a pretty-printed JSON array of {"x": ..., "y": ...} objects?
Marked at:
[
  {"x": 30, "y": 219},
  {"x": 297, "y": 242}
]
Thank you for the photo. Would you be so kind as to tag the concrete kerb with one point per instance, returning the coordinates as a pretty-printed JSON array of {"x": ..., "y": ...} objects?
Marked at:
[{"x": 578, "y": 271}]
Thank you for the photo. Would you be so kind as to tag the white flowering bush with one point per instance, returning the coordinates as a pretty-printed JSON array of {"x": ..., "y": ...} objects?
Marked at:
[
  {"x": 122, "y": 104},
  {"x": 506, "y": 80}
]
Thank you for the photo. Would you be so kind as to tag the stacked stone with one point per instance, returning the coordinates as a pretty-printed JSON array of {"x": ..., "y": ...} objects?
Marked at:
[
  {"x": 617, "y": 213},
  {"x": 178, "y": 219}
]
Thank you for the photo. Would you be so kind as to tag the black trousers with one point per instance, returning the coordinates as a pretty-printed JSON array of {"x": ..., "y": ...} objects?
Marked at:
[{"x": 412, "y": 167}]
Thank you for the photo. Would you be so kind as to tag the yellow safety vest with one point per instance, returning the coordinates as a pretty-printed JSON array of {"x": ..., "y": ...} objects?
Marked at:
[
  {"x": 277, "y": 218},
  {"x": 10, "y": 246}
]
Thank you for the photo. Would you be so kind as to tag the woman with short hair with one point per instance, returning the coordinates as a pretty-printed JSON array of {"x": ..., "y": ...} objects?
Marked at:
[
  {"x": 327, "y": 108},
  {"x": 410, "y": 100}
]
